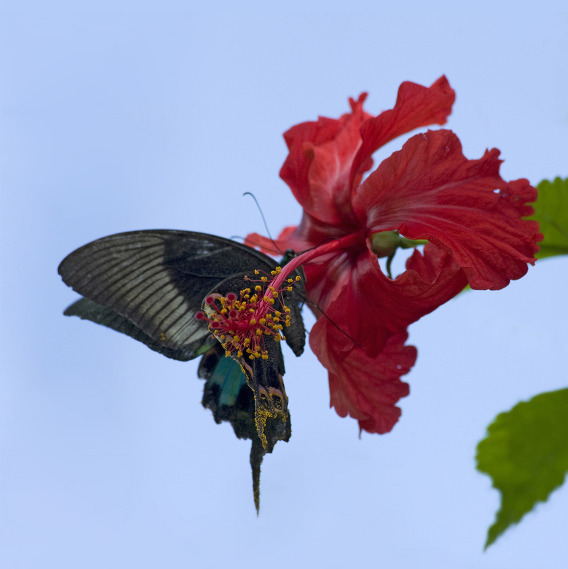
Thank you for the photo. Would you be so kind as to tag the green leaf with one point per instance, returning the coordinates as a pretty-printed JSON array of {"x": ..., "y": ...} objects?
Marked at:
[
  {"x": 526, "y": 455},
  {"x": 551, "y": 211}
]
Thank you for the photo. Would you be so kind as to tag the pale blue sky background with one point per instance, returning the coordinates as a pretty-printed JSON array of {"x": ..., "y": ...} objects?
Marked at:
[{"x": 149, "y": 115}]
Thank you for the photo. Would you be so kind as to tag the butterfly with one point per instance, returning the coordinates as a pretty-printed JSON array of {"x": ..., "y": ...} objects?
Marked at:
[{"x": 151, "y": 285}]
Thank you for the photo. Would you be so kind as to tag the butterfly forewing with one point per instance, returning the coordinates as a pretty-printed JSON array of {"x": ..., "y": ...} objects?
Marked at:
[{"x": 150, "y": 284}]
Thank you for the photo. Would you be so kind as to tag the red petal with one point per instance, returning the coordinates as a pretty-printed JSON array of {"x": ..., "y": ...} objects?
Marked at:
[
  {"x": 354, "y": 295},
  {"x": 270, "y": 246},
  {"x": 367, "y": 388},
  {"x": 318, "y": 164},
  {"x": 429, "y": 190},
  {"x": 360, "y": 335},
  {"x": 416, "y": 106},
  {"x": 310, "y": 233}
]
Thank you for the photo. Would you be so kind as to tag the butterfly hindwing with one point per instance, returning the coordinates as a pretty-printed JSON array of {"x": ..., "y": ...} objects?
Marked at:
[
  {"x": 254, "y": 401},
  {"x": 264, "y": 376},
  {"x": 87, "y": 309},
  {"x": 228, "y": 396}
]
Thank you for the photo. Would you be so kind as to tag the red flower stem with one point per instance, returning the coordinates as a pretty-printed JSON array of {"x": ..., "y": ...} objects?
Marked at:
[{"x": 342, "y": 243}]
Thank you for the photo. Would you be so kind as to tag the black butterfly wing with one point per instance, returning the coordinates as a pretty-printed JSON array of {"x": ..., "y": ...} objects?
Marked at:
[
  {"x": 228, "y": 396},
  {"x": 156, "y": 281},
  {"x": 226, "y": 392},
  {"x": 87, "y": 309},
  {"x": 254, "y": 401},
  {"x": 264, "y": 377},
  {"x": 150, "y": 285}
]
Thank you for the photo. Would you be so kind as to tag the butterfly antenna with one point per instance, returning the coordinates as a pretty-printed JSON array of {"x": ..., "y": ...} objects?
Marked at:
[
  {"x": 334, "y": 324},
  {"x": 277, "y": 249}
]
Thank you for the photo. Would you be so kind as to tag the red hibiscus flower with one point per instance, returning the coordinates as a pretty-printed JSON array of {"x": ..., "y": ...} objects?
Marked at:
[{"x": 470, "y": 217}]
